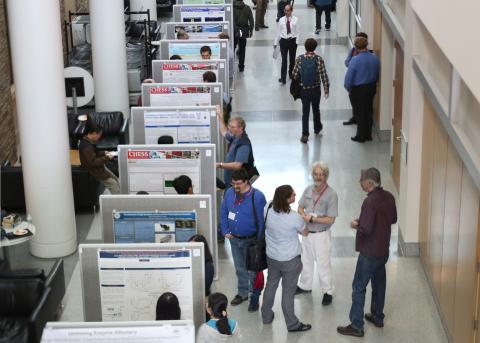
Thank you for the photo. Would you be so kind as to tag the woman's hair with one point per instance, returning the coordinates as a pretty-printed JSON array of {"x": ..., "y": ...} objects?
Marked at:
[
  {"x": 280, "y": 199},
  {"x": 218, "y": 302},
  {"x": 201, "y": 238},
  {"x": 168, "y": 307}
]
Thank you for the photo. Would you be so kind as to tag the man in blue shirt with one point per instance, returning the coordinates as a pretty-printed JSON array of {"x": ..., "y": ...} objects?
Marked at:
[
  {"x": 241, "y": 218},
  {"x": 361, "y": 84}
]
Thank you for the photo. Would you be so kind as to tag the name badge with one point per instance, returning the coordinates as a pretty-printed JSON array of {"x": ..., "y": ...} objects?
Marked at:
[
  {"x": 231, "y": 215},
  {"x": 313, "y": 214}
]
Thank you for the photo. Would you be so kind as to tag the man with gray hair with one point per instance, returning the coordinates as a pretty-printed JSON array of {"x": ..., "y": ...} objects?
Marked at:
[
  {"x": 372, "y": 242},
  {"x": 319, "y": 208}
]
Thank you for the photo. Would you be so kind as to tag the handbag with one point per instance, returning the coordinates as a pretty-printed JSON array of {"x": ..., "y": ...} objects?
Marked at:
[
  {"x": 257, "y": 252},
  {"x": 295, "y": 89},
  {"x": 252, "y": 171}
]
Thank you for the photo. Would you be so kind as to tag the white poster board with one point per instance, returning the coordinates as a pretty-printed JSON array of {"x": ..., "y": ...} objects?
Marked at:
[
  {"x": 191, "y": 50},
  {"x": 184, "y": 126},
  {"x": 202, "y": 31},
  {"x": 176, "y": 96},
  {"x": 153, "y": 171},
  {"x": 199, "y": 14},
  {"x": 131, "y": 282},
  {"x": 182, "y": 72}
]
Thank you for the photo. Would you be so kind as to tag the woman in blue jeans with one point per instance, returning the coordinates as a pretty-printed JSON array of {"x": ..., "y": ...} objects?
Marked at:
[{"x": 282, "y": 226}]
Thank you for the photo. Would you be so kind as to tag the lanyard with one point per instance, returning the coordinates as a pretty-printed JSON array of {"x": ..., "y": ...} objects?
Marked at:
[
  {"x": 237, "y": 201},
  {"x": 321, "y": 193}
]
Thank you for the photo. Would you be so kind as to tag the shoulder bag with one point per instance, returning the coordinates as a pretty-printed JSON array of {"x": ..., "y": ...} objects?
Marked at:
[{"x": 256, "y": 253}]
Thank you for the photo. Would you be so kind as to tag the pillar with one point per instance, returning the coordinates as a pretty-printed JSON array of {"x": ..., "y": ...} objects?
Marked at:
[
  {"x": 37, "y": 63},
  {"x": 109, "y": 56},
  {"x": 143, "y": 5}
]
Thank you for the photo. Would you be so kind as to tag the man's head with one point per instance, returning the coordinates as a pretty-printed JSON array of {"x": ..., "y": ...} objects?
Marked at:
[
  {"x": 206, "y": 52},
  {"x": 182, "y": 34},
  {"x": 360, "y": 43},
  {"x": 310, "y": 45},
  {"x": 370, "y": 179},
  {"x": 288, "y": 10},
  {"x": 223, "y": 35},
  {"x": 209, "y": 76},
  {"x": 236, "y": 125},
  {"x": 362, "y": 34},
  {"x": 92, "y": 131},
  {"x": 175, "y": 57},
  {"x": 183, "y": 185},
  {"x": 240, "y": 181},
  {"x": 165, "y": 139},
  {"x": 320, "y": 173}
]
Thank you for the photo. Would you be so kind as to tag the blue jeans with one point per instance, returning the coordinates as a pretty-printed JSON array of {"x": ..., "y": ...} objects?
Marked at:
[
  {"x": 245, "y": 278},
  {"x": 368, "y": 269}
]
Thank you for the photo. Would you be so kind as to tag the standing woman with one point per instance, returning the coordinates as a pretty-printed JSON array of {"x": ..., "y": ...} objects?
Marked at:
[{"x": 282, "y": 226}]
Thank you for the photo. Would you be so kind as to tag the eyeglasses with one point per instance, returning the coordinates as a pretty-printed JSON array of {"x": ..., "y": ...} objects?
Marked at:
[{"x": 237, "y": 183}]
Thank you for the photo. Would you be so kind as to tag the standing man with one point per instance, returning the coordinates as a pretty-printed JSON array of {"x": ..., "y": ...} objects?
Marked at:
[
  {"x": 239, "y": 151},
  {"x": 206, "y": 52},
  {"x": 260, "y": 15},
  {"x": 241, "y": 219},
  {"x": 320, "y": 7},
  {"x": 372, "y": 242},
  {"x": 319, "y": 207},
  {"x": 361, "y": 83},
  {"x": 309, "y": 70},
  {"x": 287, "y": 34},
  {"x": 243, "y": 28}
]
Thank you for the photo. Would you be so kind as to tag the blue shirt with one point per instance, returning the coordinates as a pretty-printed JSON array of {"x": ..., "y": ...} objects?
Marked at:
[
  {"x": 234, "y": 154},
  {"x": 323, "y": 2},
  {"x": 363, "y": 69},
  {"x": 213, "y": 324},
  {"x": 236, "y": 214}
]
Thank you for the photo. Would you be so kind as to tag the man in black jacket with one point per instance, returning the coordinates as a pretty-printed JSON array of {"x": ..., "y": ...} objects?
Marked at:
[{"x": 244, "y": 24}]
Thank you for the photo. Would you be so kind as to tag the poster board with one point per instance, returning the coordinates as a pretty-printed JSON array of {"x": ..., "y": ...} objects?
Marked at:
[
  {"x": 203, "y": 2},
  {"x": 182, "y": 94},
  {"x": 209, "y": 30},
  {"x": 145, "y": 129},
  {"x": 203, "y": 13},
  {"x": 190, "y": 71},
  {"x": 121, "y": 282},
  {"x": 175, "y": 331},
  {"x": 201, "y": 204},
  {"x": 190, "y": 49}
]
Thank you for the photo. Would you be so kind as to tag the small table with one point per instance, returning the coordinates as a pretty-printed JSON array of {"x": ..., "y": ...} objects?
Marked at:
[{"x": 5, "y": 243}]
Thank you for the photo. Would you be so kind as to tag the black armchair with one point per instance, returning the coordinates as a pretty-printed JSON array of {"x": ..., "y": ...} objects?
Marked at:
[
  {"x": 28, "y": 300},
  {"x": 114, "y": 127}
]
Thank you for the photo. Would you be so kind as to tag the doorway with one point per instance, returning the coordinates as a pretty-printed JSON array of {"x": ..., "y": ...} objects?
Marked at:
[{"x": 397, "y": 115}]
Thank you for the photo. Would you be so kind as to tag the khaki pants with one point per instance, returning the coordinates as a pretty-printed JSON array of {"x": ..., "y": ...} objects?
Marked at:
[
  {"x": 111, "y": 183},
  {"x": 260, "y": 13}
]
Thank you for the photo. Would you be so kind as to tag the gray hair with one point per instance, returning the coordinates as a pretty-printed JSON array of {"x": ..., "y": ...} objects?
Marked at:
[
  {"x": 372, "y": 175},
  {"x": 322, "y": 166},
  {"x": 239, "y": 120}
]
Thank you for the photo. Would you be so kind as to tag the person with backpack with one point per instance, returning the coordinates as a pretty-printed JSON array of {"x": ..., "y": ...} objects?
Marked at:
[
  {"x": 243, "y": 29},
  {"x": 287, "y": 34},
  {"x": 310, "y": 71}
]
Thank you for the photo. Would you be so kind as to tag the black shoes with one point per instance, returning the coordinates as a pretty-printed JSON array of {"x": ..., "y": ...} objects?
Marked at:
[
  {"x": 253, "y": 307},
  {"x": 303, "y": 139},
  {"x": 327, "y": 299},
  {"x": 282, "y": 81},
  {"x": 302, "y": 327},
  {"x": 301, "y": 290},
  {"x": 350, "y": 121},
  {"x": 238, "y": 300},
  {"x": 349, "y": 330},
  {"x": 241, "y": 69},
  {"x": 257, "y": 29},
  {"x": 369, "y": 318},
  {"x": 357, "y": 139},
  {"x": 264, "y": 27}
]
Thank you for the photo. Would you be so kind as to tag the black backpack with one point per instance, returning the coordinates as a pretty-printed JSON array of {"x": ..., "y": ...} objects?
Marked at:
[{"x": 308, "y": 71}]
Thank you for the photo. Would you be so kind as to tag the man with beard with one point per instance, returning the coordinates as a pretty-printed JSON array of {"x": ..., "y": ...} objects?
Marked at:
[{"x": 241, "y": 218}]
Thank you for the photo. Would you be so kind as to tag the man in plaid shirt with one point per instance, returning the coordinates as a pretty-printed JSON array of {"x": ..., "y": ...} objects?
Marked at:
[{"x": 313, "y": 74}]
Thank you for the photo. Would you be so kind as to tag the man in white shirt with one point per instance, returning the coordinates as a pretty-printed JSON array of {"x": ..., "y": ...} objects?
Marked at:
[{"x": 287, "y": 34}]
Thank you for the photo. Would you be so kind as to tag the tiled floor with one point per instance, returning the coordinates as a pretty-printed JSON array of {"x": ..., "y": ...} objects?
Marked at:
[{"x": 274, "y": 125}]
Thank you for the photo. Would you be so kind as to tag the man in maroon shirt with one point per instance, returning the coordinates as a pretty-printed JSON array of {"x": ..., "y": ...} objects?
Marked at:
[{"x": 372, "y": 242}]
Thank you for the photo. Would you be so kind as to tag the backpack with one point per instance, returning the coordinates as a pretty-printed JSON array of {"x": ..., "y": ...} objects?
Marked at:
[{"x": 308, "y": 71}]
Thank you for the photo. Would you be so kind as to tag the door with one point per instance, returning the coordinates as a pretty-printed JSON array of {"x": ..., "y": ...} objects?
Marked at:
[
  {"x": 377, "y": 49},
  {"x": 397, "y": 115}
]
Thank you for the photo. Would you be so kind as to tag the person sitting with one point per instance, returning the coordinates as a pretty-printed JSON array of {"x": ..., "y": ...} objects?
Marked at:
[
  {"x": 209, "y": 267},
  {"x": 142, "y": 193},
  {"x": 182, "y": 34},
  {"x": 206, "y": 52},
  {"x": 219, "y": 328},
  {"x": 209, "y": 77},
  {"x": 168, "y": 307},
  {"x": 94, "y": 160},
  {"x": 165, "y": 140},
  {"x": 183, "y": 185},
  {"x": 175, "y": 57}
]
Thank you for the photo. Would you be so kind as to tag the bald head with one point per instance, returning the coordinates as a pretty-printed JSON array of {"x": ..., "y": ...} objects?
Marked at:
[{"x": 288, "y": 10}]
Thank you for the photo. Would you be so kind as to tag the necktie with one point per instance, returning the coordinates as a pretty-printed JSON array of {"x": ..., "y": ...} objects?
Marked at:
[{"x": 289, "y": 29}]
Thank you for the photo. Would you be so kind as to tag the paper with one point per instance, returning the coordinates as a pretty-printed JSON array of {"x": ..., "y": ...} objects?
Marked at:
[
  {"x": 276, "y": 52},
  {"x": 196, "y": 252},
  {"x": 231, "y": 215},
  {"x": 203, "y": 13},
  {"x": 200, "y": 30},
  {"x": 180, "y": 96},
  {"x": 208, "y": 153},
  {"x": 191, "y": 51},
  {"x": 131, "y": 282},
  {"x": 203, "y": 204},
  {"x": 187, "y": 72}
]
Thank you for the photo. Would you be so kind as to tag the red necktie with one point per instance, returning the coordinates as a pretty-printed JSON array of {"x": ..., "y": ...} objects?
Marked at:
[{"x": 289, "y": 30}]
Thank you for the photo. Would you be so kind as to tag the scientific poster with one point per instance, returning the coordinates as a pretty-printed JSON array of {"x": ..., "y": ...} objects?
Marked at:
[
  {"x": 132, "y": 280},
  {"x": 153, "y": 171},
  {"x": 203, "y": 2},
  {"x": 188, "y": 72},
  {"x": 191, "y": 51},
  {"x": 185, "y": 96},
  {"x": 200, "y": 30},
  {"x": 197, "y": 14},
  {"x": 154, "y": 226},
  {"x": 183, "y": 126}
]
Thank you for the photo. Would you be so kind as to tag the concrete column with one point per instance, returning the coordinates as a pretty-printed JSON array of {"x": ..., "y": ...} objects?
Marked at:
[
  {"x": 37, "y": 63},
  {"x": 109, "y": 56},
  {"x": 143, "y": 5}
]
